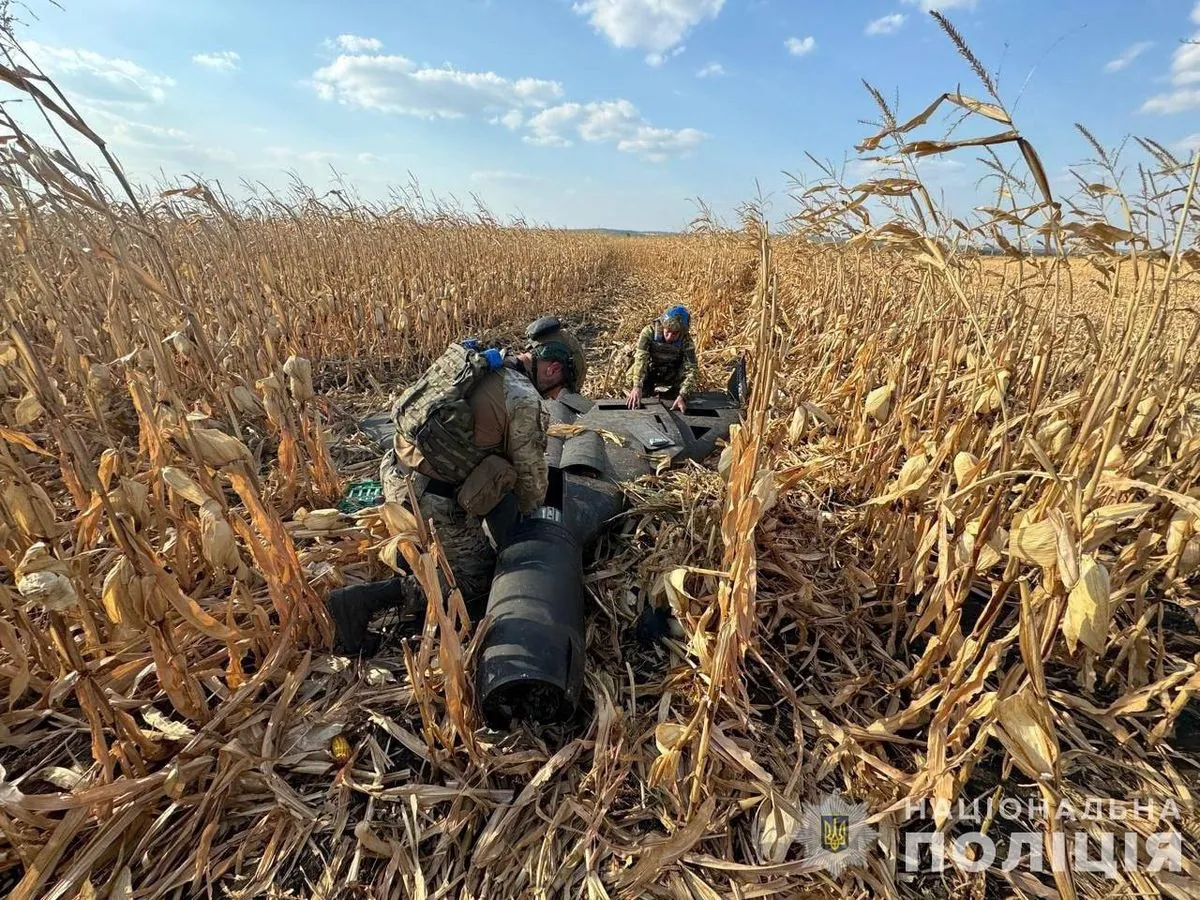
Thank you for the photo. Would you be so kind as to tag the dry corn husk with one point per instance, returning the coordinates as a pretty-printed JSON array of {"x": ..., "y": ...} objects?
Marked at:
[
  {"x": 1026, "y": 731},
  {"x": 668, "y": 735},
  {"x": 799, "y": 424},
  {"x": 131, "y": 498},
  {"x": 1189, "y": 559},
  {"x": 964, "y": 468},
  {"x": 245, "y": 401},
  {"x": 43, "y": 579},
  {"x": 181, "y": 342},
  {"x": 1115, "y": 458},
  {"x": 1147, "y": 409},
  {"x": 31, "y": 510},
  {"x": 124, "y": 595},
  {"x": 1179, "y": 531},
  {"x": 219, "y": 449},
  {"x": 1183, "y": 543},
  {"x": 274, "y": 397},
  {"x": 1088, "y": 607},
  {"x": 776, "y": 827},
  {"x": 912, "y": 473},
  {"x": 1054, "y": 437},
  {"x": 217, "y": 542},
  {"x": 28, "y": 410},
  {"x": 806, "y": 418},
  {"x": 989, "y": 555},
  {"x": 1035, "y": 542},
  {"x": 879, "y": 402},
  {"x": 992, "y": 396},
  {"x": 319, "y": 519},
  {"x": 299, "y": 372}
]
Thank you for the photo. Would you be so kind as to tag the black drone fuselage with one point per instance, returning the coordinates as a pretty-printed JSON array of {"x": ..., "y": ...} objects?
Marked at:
[{"x": 530, "y": 663}]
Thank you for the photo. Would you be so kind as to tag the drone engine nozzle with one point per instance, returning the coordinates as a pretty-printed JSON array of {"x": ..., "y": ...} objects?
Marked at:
[{"x": 530, "y": 664}]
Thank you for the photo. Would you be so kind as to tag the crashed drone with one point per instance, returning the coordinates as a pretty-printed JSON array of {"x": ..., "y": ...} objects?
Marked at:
[{"x": 530, "y": 665}]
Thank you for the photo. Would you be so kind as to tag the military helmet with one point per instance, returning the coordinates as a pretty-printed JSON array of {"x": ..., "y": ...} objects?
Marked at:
[
  {"x": 678, "y": 316},
  {"x": 549, "y": 340}
]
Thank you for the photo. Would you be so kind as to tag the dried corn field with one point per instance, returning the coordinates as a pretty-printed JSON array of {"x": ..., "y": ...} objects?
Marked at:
[{"x": 950, "y": 556}]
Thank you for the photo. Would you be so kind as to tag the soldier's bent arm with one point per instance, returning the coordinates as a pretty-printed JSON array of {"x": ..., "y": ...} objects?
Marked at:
[
  {"x": 691, "y": 369},
  {"x": 641, "y": 357},
  {"x": 527, "y": 424}
]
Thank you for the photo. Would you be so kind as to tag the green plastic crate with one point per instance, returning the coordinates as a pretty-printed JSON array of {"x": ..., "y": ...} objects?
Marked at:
[{"x": 361, "y": 495}]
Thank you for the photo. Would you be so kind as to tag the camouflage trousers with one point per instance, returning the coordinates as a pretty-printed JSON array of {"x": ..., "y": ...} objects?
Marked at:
[{"x": 468, "y": 549}]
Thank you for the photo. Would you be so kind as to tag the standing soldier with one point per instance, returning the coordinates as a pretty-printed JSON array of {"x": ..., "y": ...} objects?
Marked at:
[
  {"x": 469, "y": 432},
  {"x": 665, "y": 358}
]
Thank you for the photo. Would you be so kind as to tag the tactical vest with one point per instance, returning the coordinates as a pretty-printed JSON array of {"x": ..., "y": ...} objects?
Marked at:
[
  {"x": 435, "y": 416},
  {"x": 665, "y": 358}
]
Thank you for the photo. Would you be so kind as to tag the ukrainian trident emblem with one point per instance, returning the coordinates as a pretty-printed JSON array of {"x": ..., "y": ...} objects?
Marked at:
[{"x": 835, "y": 833}]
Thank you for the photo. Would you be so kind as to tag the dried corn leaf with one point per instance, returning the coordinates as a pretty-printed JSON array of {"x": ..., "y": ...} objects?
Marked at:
[{"x": 183, "y": 485}]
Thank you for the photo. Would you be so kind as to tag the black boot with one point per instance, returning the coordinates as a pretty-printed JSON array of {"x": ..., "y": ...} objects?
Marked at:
[{"x": 353, "y": 607}]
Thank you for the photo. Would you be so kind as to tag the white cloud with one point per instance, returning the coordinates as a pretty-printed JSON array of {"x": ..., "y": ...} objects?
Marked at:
[
  {"x": 1189, "y": 144},
  {"x": 800, "y": 46},
  {"x": 393, "y": 84},
  {"x": 654, "y": 25},
  {"x": 712, "y": 70},
  {"x": 352, "y": 43},
  {"x": 886, "y": 24},
  {"x": 1130, "y": 54},
  {"x": 931, "y": 5},
  {"x": 657, "y": 59},
  {"x": 1174, "y": 102},
  {"x": 512, "y": 120},
  {"x": 1185, "y": 72},
  {"x": 1185, "y": 66},
  {"x": 100, "y": 78},
  {"x": 152, "y": 146},
  {"x": 224, "y": 60},
  {"x": 369, "y": 159},
  {"x": 611, "y": 122},
  {"x": 548, "y": 125}
]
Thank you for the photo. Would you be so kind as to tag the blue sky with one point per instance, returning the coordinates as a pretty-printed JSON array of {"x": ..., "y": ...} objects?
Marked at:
[{"x": 610, "y": 113}]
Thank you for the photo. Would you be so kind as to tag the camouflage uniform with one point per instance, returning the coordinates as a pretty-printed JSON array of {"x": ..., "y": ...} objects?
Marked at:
[
  {"x": 659, "y": 363},
  {"x": 509, "y": 422}
]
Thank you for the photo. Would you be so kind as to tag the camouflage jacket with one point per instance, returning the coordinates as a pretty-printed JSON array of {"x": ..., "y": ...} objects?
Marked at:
[
  {"x": 672, "y": 364},
  {"x": 508, "y": 420}
]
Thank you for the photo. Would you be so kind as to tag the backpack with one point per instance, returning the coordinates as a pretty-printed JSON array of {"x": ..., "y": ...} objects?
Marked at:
[{"x": 435, "y": 416}]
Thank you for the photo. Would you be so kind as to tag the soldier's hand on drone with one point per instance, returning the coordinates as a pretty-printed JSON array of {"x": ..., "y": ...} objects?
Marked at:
[
  {"x": 634, "y": 398},
  {"x": 679, "y": 404}
]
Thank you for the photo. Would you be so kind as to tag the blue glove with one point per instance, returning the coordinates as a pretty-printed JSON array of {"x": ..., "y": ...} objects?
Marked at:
[
  {"x": 471, "y": 343},
  {"x": 495, "y": 360}
]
